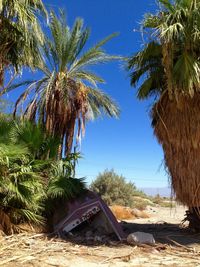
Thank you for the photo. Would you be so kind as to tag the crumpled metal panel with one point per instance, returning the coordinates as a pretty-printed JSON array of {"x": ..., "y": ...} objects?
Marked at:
[{"x": 84, "y": 208}]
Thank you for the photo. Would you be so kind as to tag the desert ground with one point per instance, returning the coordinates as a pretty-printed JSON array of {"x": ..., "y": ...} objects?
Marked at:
[{"x": 175, "y": 246}]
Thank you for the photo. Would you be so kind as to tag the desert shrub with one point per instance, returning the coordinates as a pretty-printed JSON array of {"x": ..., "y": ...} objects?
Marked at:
[
  {"x": 157, "y": 199},
  {"x": 163, "y": 202},
  {"x": 141, "y": 203},
  {"x": 114, "y": 189}
]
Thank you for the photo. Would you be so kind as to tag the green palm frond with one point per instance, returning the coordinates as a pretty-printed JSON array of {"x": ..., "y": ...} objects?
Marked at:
[
  {"x": 21, "y": 34},
  {"x": 190, "y": 67},
  {"x": 146, "y": 67},
  {"x": 61, "y": 184},
  {"x": 167, "y": 5},
  {"x": 21, "y": 192},
  {"x": 66, "y": 188},
  {"x": 100, "y": 102},
  {"x": 150, "y": 87},
  {"x": 16, "y": 85},
  {"x": 29, "y": 134},
  {"x": 13, "y": 151},
  {"x": 88, "y": 76},
  {"x": 30, "y": 216},
  {"x": 35, "y": 139},
  {"x": 6, "y": 125},
  {"x": 171, "y": 61}
]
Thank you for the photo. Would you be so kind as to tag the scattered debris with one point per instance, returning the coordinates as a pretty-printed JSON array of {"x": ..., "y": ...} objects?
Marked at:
[
  {"x": 140, "y": 238},
  {"x": 40, "y": 250}
]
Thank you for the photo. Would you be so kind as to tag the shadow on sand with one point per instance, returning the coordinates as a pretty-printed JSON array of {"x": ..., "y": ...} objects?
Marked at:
[{"x": 165, "y": 233}]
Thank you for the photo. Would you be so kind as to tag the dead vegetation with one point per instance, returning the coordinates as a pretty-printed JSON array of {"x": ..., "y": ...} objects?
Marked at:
[
  {"x": 180, "y": 139},
  {"x": 126, "y": 213},
  {"x": 175, "y": 246},
  {"x": 41, "y": 250}
]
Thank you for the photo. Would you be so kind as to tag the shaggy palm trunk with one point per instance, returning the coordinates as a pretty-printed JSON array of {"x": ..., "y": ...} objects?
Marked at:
[
  {"x": 177, "y": 128},
  {"x": 192, "y": 215}
]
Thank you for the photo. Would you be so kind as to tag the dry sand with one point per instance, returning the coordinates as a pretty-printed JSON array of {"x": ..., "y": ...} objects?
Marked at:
[
  {"x": 159, "y": 214},
  {"x": 174, "y": 247}
]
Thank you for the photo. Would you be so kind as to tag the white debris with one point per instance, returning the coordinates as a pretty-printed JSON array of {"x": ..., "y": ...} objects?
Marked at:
[{"x": 140, "y": 238}]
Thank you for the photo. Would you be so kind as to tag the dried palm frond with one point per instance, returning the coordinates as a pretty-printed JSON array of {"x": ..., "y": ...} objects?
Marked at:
[
  {"x": 5, "y": 223},
  {"x": 176, "y": 126}
]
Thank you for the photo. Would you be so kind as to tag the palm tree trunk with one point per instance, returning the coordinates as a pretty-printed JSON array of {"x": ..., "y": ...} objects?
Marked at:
[
  {"x": 70, "y": 134},
  {"x": 193, "y": 217},
  {"x": 177, "y": 128}
]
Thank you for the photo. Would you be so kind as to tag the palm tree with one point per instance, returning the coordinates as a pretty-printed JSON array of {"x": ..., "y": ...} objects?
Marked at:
[
  {"x": 67, "y": 93},
  {"x": 169, "y": 69},
  {"x": 21, "y": 35}
]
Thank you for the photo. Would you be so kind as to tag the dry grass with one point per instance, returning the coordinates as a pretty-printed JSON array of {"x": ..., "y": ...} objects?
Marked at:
[
  {"x": 126, "y": 213},
  {"x": 38, "y": 250}
]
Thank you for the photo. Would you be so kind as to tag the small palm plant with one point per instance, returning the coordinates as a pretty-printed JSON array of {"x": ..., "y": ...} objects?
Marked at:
[
  {"x": 40, "y": 144},
  {"x": 21, "y": 189},
  {"x": 32, "y": 181},
  {"x": 67, "y": 94},
  {"x": 61, "y": 188},
  {"x": 21, "y": 192},
  {"x": 62, "y": 184}
]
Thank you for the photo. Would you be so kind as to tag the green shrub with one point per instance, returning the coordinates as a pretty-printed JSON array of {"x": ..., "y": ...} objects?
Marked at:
[
  {"x": 141, "y": 202},
  {"x": 114, "y": 189}
]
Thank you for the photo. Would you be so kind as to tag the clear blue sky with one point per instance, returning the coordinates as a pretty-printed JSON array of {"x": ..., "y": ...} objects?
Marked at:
[{"x": 126, "y": 144}]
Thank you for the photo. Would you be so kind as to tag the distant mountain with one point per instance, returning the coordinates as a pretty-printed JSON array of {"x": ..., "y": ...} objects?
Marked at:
[{"x": 162, "y": 191}]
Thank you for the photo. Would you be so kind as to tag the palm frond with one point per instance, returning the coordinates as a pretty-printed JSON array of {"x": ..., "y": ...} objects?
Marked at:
[
  {"x": 146, "y": 66},
  {"x": 87, "y": 76},
  {"x": 65, "y": 188},
  {"x": 99, "y": 101},
  {"x": 21, "y": 34},
  {"x": 30, "y": 216},
  {"x": 61, "y": 185}
]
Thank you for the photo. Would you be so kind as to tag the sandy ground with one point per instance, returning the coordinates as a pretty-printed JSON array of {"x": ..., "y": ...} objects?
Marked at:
[
  {"x": 159, "y": 214},
  {"x": 174, "y": 246}
]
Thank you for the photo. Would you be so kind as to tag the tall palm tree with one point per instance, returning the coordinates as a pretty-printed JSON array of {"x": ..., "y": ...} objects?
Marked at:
[
  {"x": 20, "y": 35},
  {"x": 168, "y": 68},
  {"x": 67, "y": 93}
]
